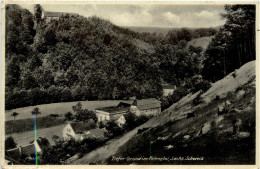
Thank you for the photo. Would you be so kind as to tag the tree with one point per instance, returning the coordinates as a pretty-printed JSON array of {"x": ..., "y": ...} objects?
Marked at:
[
  {"x": 233, "y": 45},
  {"x": 141, "y": 119},
  {"x": 130, "y": 120},
  {"x": 13, "y": 73},
  {"x": 36, "y": 111},
  {"x": 101, "y": 125},
  {"x": 172, "y": 37},
  {"x": 14, "y": 114},
  {"x": 77, "y": 93},
  {"x": 66, "y": 95},
  {"x": 38, "y": 13},
  {"x": 10, "y": 143},
  {"x": 113, "y": 129},
  {"x": 85, "y": 114},
  {"x": 77, "y": 108},
  {"x": 68, "y": 116},
  {"x": 28, "y": 81},
  {"x": 34, "y": 63}
]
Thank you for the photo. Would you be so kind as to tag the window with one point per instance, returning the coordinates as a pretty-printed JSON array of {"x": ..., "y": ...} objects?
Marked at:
[
  {"x": 68, "y": 130},
  {"x": 100, "y": 118}
]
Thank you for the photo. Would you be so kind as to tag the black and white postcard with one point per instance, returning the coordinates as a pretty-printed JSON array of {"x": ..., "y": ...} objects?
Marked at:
[{"x": 146, "y": 84}]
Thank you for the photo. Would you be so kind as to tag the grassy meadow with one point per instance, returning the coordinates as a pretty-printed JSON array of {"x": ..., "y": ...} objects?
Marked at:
[{"x": 57, "y": 108}]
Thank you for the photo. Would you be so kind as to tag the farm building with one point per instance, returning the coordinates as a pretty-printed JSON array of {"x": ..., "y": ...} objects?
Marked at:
[
  {"x": 139, "y": 107},
  {"x": 115, "y": 113},
  {"x": 146, "y": 107},
  {"x": 28, "y": 150},
  {"x": 78, "y": 130},
  {"x": 96, "y": 133},
  {"x": 168, "y": 90}
]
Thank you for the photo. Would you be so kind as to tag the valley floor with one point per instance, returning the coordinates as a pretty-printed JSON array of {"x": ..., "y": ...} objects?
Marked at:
[{"x": 24, "y": 138}]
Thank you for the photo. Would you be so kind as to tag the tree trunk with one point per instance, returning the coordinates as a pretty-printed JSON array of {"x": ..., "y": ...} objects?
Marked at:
[{"x": 239, "y": 53}]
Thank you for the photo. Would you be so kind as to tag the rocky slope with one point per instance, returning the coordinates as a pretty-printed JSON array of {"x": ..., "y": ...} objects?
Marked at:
[{"x": 227, "y": 138}]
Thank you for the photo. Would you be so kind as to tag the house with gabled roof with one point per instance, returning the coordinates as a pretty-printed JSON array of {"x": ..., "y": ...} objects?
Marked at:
[
  {"x": 146, "y": 107},
  {"x": 96, "y": 133},
  {"x": 29, "y": 150},
  {"x": 168, "y": 90},
  {"x": 77, "y": 130}
]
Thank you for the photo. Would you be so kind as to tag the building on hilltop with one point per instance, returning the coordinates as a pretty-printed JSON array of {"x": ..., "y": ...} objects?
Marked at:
[{"x": 48, "y": 16}]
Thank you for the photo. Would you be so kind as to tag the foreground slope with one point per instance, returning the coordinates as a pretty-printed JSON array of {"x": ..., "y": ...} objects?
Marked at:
[{"x": 171, "y": 134}]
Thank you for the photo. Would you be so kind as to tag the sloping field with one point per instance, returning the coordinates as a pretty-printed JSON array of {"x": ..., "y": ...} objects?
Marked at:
[
  {"x": 24, "y": 138},
  {"x": 202, "y": 42},
  {"x": 57, "y": 108}
]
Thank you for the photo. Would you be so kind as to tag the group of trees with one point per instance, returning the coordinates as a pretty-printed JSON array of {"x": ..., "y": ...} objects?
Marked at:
[
  {"x": 75, "y": 58},
  {"x": 78, "y": 58},
  {"x": 234, "y": 44},
  {"x": 81, "y": 114}
]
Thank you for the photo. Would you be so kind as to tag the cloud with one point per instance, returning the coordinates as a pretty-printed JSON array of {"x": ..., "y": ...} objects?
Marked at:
[
  {"x": 206, "y": 14},
  {"x": 148, "y": 15},
  {"x": 171, "y": 18}
]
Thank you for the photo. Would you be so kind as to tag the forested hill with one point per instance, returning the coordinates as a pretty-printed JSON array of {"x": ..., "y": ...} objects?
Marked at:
[{"x": 78, "y": 58}]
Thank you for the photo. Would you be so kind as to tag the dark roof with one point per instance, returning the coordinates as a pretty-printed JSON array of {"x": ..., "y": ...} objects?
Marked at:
[
  {"x": 28, "y": 150},
  {"x": 145, "y": 104},
  {"x": 115, "y": 109},
  {"x": 116, "y": 117},
  {"x": 13, "y": 153},
  {"x": 124, "y": 106},
  {"x": 81, "y": 127},
  {"x": 97, "y": 133},
  {"x": 148, "y": 104},
  {"x": 169, "y": 87},
  {"x": 58, "y": 14}
]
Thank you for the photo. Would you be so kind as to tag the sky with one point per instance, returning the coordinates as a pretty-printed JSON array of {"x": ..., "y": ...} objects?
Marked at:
[{"x": 147, "y": 15}]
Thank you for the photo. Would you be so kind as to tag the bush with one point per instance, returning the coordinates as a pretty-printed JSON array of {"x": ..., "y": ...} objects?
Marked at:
[
  {"x": 10, "y": 143},
  {"x": 113, "y": 129}
]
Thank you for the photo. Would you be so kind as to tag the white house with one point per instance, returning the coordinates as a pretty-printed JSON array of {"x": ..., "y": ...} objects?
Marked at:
[
  {"x": 168, "y": 90},
  {"x": 112, "y": 113},
  {"x": 77, "y": 130}
]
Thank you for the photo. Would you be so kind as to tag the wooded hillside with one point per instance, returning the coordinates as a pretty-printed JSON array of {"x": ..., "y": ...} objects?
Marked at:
[{"x": 79, "y": 58}]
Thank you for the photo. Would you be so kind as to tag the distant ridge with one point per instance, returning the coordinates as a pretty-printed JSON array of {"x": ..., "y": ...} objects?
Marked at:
[{"x": 162, "y": 30}]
